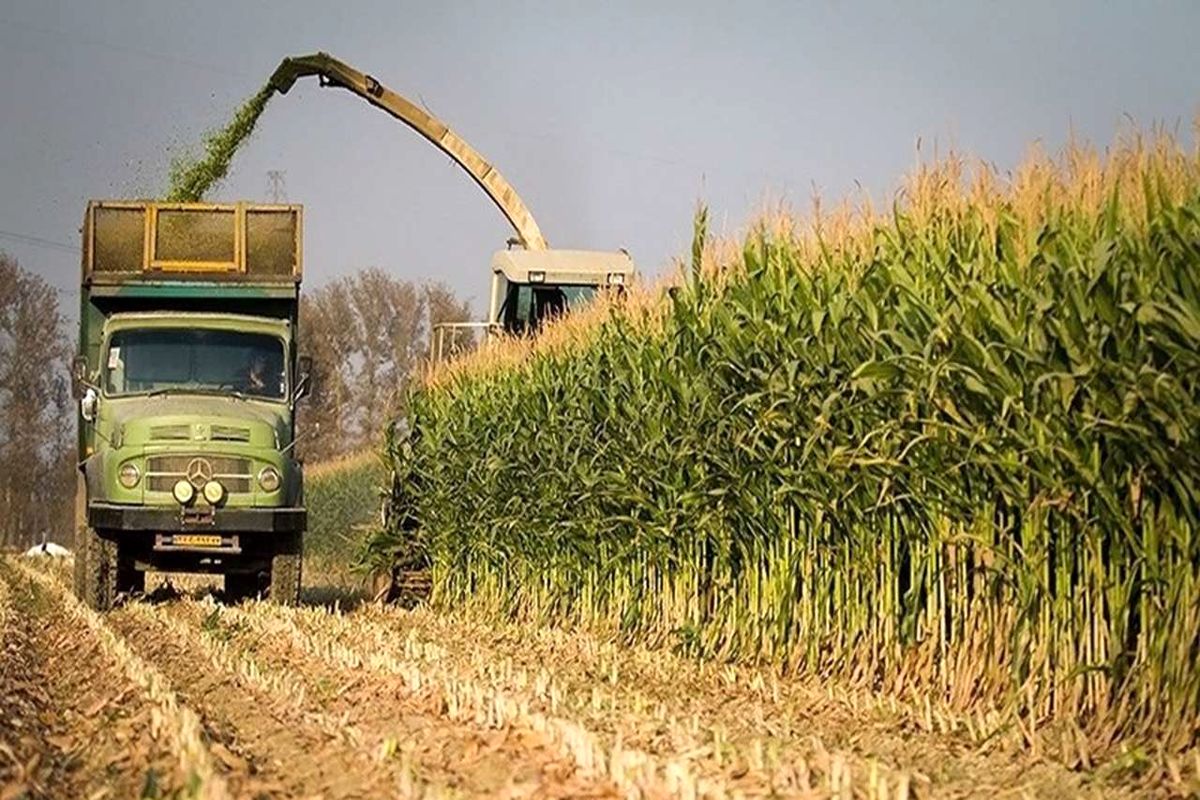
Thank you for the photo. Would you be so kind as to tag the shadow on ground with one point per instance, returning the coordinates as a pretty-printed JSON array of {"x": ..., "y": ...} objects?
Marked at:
[{"x": 168, "y": 588}]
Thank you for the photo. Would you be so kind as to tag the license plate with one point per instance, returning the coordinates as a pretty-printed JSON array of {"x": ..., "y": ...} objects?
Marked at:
[{"x": 196, "y": 540}]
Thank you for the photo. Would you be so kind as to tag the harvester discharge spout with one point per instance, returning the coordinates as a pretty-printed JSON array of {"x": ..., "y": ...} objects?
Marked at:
[{"x": 333, "y": 72}]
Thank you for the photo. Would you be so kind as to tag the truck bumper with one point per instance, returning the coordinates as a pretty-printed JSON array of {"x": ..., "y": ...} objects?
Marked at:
[{"x": 113, "y": 517}]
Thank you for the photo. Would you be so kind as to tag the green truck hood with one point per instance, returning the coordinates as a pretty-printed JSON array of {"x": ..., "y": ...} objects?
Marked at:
[{"x": 177, "y": 419}]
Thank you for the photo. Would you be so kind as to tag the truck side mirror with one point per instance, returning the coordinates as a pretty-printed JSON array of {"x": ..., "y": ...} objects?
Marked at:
[
  {"x": 79, "y": 382},
  {"x": 303, "y": 377},
  {"x": 87, "y": 404}
]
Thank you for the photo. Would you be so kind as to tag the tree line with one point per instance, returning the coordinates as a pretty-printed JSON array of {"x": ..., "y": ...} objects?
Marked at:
[
  {"x": 37, "y": 427},
  {"x": 367, "y": 333}
]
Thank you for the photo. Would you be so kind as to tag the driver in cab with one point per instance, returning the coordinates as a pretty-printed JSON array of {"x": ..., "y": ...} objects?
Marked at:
[{"x": 256, "y": 379}]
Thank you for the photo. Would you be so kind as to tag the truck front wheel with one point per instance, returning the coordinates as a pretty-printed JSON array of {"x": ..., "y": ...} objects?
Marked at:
[
  {"x": 285, "y": 573},
  {"x": 98, "y": 577},
  {"x": 102, "y": 572}
]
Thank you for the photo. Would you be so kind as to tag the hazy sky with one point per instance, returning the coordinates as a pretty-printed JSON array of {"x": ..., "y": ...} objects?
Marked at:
[{"x": 611, "y": 119}]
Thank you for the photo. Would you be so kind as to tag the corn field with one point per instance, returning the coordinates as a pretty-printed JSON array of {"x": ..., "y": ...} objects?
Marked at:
[
  {"x": 946, "y": 450},
  {"x": 343, "y": 500}
]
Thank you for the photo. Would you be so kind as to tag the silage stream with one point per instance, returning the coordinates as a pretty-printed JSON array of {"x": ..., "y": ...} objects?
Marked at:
[{"x": 191, "y": 179}]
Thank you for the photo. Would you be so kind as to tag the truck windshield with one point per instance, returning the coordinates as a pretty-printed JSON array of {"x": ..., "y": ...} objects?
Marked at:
[{"x": 195, "y": 360}]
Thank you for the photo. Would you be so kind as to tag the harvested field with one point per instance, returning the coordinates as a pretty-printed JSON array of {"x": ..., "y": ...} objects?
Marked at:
[{"x": 179, "y": 695}]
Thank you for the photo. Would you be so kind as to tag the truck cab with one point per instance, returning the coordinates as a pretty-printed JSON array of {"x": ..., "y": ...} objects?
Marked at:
[{"x": 188, "y": 379}]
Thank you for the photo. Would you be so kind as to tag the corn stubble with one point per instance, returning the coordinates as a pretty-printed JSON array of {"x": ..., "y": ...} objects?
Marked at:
[
  {"x": 170, "y": 720},
  {"x": 947, "y": 452}
]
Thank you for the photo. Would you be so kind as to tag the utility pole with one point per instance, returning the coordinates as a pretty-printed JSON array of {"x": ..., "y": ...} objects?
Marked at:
[{"x": 277, "y": 185}]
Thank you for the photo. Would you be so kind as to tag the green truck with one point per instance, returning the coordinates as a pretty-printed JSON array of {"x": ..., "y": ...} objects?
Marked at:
[{"x": 187, "y": 378}]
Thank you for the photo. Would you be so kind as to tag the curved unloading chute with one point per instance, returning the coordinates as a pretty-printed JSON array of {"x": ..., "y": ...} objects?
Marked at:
[{"x": 333, "y": 72}]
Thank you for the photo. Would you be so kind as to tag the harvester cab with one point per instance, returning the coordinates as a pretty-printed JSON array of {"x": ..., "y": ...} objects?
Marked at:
[{"x": 531, "y": 287}]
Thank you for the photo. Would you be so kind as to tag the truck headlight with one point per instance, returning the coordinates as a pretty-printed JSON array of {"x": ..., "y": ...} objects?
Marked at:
[
  {"x": 268, "y": 479},
  {"x": 183, "y": 492},
  {"x": 616, "y": 279},
  {"x": 214, "y": 492},
  {"x": 129, "y": 475}
]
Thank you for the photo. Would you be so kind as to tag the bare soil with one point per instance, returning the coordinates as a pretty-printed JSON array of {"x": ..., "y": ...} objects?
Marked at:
[{"x": 71, "y": 723}]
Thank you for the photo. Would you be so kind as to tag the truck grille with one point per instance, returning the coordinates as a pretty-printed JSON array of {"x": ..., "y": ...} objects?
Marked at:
[
  {"x": 228, "y": 433},
  {"x": 170, "y": 433},
  {"x": 163, "y": 472}
]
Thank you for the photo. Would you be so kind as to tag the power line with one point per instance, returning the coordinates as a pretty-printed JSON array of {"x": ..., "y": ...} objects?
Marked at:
[
  {"x": 38, "y": 241},
  {"x": 119, "y": 48}
]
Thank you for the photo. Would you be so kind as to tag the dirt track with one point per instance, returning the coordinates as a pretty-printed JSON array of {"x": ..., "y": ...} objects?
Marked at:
[{"x": 182, "y": 696}]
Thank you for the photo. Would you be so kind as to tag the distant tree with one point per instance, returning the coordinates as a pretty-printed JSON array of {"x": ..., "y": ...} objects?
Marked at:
[
  {"x": 444, "y": 306},
  {"x": 37, "y": 425},
  {"x": 368, "y": 335}
]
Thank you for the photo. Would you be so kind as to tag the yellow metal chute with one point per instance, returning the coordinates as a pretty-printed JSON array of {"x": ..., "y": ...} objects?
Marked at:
[{"x": 333, "y": 72}]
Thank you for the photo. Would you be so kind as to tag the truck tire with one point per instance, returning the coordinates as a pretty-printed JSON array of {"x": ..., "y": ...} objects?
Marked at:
[
  {"x": 102, "y": 573},
  {"x": 96, "y": 577},
  {"x": 285, "y": 573}
]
